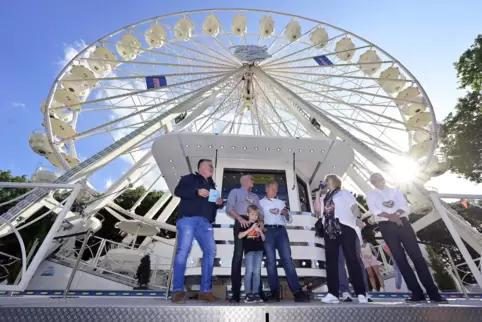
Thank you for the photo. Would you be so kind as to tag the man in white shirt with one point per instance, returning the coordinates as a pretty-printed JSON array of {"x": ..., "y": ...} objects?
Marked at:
[
  {"x": 276, "y": 216},
  {"x": 390, "y": 210}
]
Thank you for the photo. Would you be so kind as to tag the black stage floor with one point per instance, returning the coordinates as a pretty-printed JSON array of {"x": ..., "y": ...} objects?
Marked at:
[{"x": 13, "y": 309}]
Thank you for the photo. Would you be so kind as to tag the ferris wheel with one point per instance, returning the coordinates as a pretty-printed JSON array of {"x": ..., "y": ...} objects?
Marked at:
[{"x": 233, "y": 71}]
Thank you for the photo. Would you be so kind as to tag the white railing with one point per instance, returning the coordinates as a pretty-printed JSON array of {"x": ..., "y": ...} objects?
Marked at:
[
  {"x": 386, "y": 266},
  {"x": 451, "y": 217},
  {"x": 11, "y": 222},
  {"x": 117, "y": 261},
  {"x": 7, "y": 262}
]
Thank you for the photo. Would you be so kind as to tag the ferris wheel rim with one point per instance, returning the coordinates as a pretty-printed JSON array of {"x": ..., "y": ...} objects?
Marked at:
[{"x": 62, "y": 73}]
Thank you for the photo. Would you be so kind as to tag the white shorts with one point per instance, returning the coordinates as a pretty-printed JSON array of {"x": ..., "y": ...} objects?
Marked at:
[{"x": 372, "y": 262}]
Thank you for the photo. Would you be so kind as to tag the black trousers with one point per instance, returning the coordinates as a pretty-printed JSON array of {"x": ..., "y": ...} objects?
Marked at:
[
  {"x": 347, "y": 241},
  {"x": 237, "y": 263},
  {"x": 401, "y": 239}
]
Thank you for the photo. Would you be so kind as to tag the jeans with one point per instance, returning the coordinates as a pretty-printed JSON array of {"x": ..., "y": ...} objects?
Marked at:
[
  {"x": 252, "y": 275},
  {"x": 401, "y": 239},
  {"x": 237, "y": 263},
  {"x": 277, "y": 239},
  {"x": 201, "y": 229},
  {"x": 398, "y": 276},
  {"x": 343, "y": 277},
  {"x": 347, "y": 240}
]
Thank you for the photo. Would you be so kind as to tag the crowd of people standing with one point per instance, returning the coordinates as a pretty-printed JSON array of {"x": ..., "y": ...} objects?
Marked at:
[{"x": 260, "y": 230}]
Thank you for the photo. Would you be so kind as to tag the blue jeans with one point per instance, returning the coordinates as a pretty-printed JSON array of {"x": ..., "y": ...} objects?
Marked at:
[
  {"x": 277, "y": 239},
  {"x": 343, "y": 277},
  {"x": 398, "y": 276},
  {"x": 189, "y": 228},
  {"x": 252, "y": 275}
]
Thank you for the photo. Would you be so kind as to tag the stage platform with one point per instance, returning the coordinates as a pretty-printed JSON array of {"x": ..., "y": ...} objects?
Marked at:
[{"x": 102, "y": 309}]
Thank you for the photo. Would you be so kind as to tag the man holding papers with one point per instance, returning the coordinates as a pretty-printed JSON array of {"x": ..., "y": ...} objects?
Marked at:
[{"x": 197, "y": 211}]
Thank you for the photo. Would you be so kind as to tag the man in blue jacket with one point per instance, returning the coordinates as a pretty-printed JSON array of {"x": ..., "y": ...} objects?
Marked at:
[{"x": 195, "y": 217}]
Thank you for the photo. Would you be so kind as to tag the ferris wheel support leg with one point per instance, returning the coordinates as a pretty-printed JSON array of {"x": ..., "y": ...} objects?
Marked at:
[
  {"x": 116, "y": 149},
  {"x": 339, "y": 131},
  {"x": 45, "y": 246},
  {"x": 455, "y": 235},
  {"x": 118, "y": 187}
]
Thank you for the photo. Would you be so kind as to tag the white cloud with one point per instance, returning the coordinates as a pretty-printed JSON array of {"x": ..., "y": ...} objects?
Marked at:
[
  {"x": 71, "y": 50},
  {"x": 18, "y": 104},
  {"x": 108, "y": 183}
]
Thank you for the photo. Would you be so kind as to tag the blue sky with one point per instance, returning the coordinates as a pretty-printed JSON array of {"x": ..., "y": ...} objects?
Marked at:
[{"x": 426, "y": 36}]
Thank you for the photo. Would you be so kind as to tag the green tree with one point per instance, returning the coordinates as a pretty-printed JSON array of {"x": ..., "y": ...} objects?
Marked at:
[
  {"x": 469, "y": 66},
  {"x": 7, "y": 194},
  {"x": 461, "y": 134},
  {"x": 38, "y": 230},
  {"x": 461, "y": 137},
  {"x": 443, "y": 279},
  {"x": 127, "y": 199}
]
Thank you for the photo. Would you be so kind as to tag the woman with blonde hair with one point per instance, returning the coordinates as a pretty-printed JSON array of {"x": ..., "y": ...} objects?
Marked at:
[{"x": 339, "y": 211}]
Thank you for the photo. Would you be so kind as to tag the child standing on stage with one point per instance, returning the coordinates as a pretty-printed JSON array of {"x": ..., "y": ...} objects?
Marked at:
[{"x": 253, "y": 238}]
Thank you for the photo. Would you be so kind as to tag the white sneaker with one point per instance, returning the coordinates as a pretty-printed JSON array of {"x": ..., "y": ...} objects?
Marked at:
[
  {"x": 346, "y": 297},
  {"x": 362, "y": 299},
  {"x": 382, "y": 289},
  {"x": 330, "y": 299}
]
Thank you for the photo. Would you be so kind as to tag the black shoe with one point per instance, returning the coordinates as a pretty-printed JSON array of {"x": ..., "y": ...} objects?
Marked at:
[
  {"x": 257, "y": 298},
  {"x": 438, "y": 299},
  {"x": 301, "y": 297},
  {"x": 273, "y": 297},
  {"x": 416, "y": 299},
  {"x": 369, "y": 300},
  {"x": 234, "y": 299},
  {"x": 249, "y": 299}
]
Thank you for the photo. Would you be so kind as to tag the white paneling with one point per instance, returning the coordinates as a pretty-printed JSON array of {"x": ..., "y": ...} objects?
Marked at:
[
  {"x": 60, "y": 274},
  {"x": 171, "y": 150}
]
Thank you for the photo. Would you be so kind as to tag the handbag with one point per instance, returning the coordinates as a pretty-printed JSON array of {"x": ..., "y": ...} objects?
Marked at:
[{"x": 319, "y": 228}]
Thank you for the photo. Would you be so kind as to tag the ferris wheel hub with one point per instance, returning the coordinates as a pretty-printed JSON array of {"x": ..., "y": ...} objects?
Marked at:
[{"x": 251, "y": 53}]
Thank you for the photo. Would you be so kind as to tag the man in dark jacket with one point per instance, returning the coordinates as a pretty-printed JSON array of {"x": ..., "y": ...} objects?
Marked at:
[{"x": 195, "y": 217}]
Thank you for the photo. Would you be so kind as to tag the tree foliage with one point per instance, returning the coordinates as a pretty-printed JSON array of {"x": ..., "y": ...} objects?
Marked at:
[
  {"x": 127, "y": 199},
  {"x": 461, "y": 134},
  {"x": 7, "y": 194},
  {"x": 443, "y": 279},
  {"x": 469, "y": 66},
  {"x": 462, "y": 137}
]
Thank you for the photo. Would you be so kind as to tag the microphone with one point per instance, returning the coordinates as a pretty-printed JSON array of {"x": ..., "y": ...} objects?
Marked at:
[{"x": 322, "y": 186}]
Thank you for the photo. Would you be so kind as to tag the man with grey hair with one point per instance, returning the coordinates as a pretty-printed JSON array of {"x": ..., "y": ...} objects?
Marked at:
[
  {"x": 390, "y": 210},
  {"x": 276, "y": 216},
  {"x": 238, "y": 201}
]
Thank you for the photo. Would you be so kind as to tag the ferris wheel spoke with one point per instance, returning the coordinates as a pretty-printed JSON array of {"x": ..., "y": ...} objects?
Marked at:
[
  {"x": 360, "y": 131},
  {"x": 270, "y": 62},
  {"x": 311, "y": 58},
  {"x": 177, "y": 56},
  {"x": 288, "y": 44},
  {"x": 134, "y": 114},
  {"x": 270, "y": 104},
  {"x": 137, "y": 92},
  {"x": 324, "y": 67},
  {"x": 219, "y": 106},
  {"x": 228, "y": 61},
  {"x": 326, "y": 76},
  {"x": 231, "y": 58},
  {"x": 341, "y": 89},
  {"x": 352, "y": 106}
]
